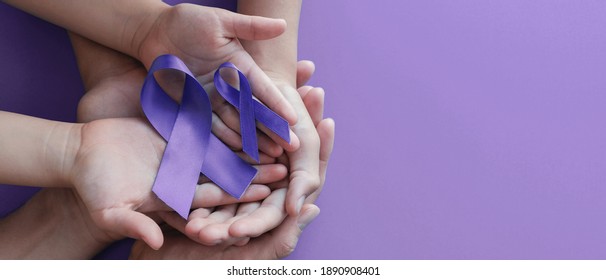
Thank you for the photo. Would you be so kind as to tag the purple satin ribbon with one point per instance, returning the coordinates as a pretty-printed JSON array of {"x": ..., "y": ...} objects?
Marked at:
[
  {"x": 250, "y": 110},
  {"x": 191, "y": 147}
]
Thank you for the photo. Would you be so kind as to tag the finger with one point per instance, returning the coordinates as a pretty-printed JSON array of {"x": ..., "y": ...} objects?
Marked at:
[
  {"x": 130, "y": 223},
  {"x": 251, "y": 27},
  {"x": 229, "y": 115},
  {"x": 218, "y": 233},
  {"x": 177, "y": 222},
  {"x": 198, "y": 220},
  {"x": 304, "y": 90},
  {"x": 242, "y": 242},
  {"x": 293, "y": 145},
  {"x": 326, "y": 131},
  {"x": 314, "y": 102},
  {"x": 278, "y": 185},
  {"x": 268, "y": 216},
  {"x": 304, "y": 163},
  {"x": 302, "y": 184},
  {"x": 268, "y": 146},
  {"x": 264, "y": 88},
  {"x": 305, "y": 69},
  {"x": 210, "y": 195},
  {"x": 263, "y": 159},
  {"x": 226, "y": 134},
  {"x": 308, "y": 213},
  {"x": 215, "y": 228},
  {"x": 244, "y": 210},
  {"x": 283, "y": 240},
  {"x": 269, "y": 173},
  {"x": 287, "y": 236},
  {"x": 283, "y": 159}
]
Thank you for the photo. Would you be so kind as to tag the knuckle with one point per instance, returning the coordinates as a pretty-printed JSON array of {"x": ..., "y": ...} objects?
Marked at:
[
  {"x": 286, "y": 247},
  {"x": 309, "y": 134},
  {"x": 315, "y": 183},
  {"x": 86, "y": 106}
]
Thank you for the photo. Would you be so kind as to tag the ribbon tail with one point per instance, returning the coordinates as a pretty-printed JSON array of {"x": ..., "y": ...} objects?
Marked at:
[
  {"x": 248, "y": 126},
  {"x": 186, "y": 127},
  {"x": 226, "y": 169}
]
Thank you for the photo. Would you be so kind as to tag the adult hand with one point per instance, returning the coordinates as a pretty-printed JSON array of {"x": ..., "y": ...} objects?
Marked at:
[
  {"x": 276, "y": 244},
  {"x": 245, "y": 221},
  {"x": 235, "y": 225}
]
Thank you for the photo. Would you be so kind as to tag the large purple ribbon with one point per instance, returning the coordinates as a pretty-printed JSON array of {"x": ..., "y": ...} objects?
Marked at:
[{"x": 191, "y": 147}]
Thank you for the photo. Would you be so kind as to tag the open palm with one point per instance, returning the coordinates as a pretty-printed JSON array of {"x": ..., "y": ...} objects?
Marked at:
[
  {"x": 113, "y": 175},
  {"x": 205, "y": 37}
]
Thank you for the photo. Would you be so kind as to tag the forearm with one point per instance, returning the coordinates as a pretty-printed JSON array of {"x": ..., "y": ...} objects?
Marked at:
[
  {"x": 278, "y": 56},
  {"x": 118, "y": 24},
  {"x": 36, "y": 152},
  {"x": 51, "y": 225}
]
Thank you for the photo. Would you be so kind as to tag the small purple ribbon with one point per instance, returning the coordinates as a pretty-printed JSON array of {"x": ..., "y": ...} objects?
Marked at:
[
  {"x": 191, "y": 147},
  {"x": 250, "y": 110}
]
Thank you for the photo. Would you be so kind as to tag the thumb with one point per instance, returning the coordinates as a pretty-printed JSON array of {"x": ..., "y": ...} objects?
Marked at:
[
  {"x": 308, "y": 213},
  {"x": 253, "y": 27},
  {"x": 286, "y": 236},
  {"x": 130, "y": 223}
]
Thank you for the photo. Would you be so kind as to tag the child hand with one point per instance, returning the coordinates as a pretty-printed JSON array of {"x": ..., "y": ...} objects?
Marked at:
[
  {"x": 114, "y": 170},
  {"x": 205, "y": 37}
]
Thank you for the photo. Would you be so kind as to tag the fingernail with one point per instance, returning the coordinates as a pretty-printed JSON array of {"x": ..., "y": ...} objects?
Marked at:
[
  {"x": 300, "y": 204},
  {"x": 307, "y": 218}
]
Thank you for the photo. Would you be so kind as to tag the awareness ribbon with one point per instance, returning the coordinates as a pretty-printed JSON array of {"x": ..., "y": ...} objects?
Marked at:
[
  {"x": 250, "y": 110},
  {"x": 191, "y": 147}
]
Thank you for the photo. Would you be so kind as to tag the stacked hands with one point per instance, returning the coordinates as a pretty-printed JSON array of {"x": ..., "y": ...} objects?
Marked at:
[{"x": 112, "y": 157}]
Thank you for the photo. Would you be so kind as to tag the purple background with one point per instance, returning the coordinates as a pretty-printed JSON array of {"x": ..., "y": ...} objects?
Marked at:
[{"x": 465, "y": 129}]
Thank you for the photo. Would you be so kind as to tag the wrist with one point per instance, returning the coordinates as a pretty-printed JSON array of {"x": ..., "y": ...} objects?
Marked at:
[
  {"x": 62, "y": 145},
  {"x": 144, "y": 45},
  {"x": 280, "y": 66}
]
